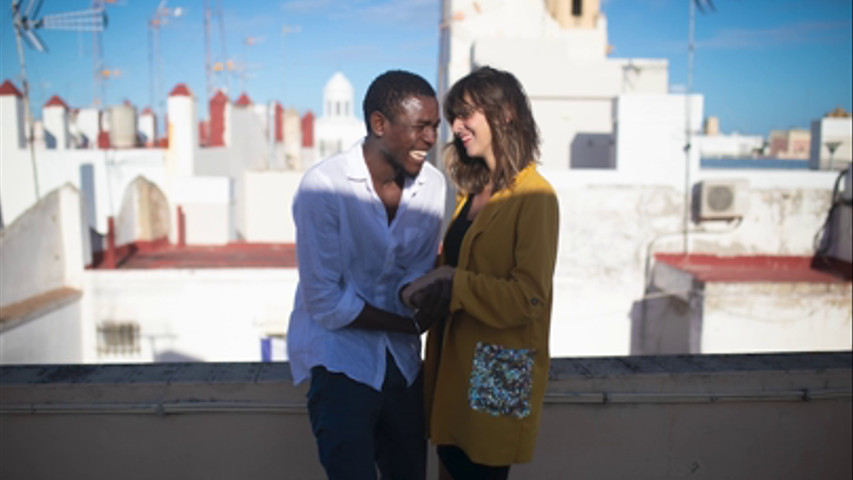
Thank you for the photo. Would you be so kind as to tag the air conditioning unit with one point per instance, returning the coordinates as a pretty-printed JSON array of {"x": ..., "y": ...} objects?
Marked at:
[{"x": 722, "y": 199}]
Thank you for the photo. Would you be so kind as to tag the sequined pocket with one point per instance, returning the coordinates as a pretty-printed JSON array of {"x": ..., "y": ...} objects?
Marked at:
[{"x": 501, "y": 380}]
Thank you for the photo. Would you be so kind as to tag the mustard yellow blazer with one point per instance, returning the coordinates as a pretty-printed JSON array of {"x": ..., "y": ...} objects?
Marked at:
[{"x": 486, "y": 366}]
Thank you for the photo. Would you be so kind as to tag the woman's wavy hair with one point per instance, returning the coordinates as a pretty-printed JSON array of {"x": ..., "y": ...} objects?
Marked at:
[{"x": 515, "y": 137}]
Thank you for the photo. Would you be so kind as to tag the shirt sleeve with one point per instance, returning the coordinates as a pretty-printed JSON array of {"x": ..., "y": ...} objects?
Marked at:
[{"x": 329, "y": 298}]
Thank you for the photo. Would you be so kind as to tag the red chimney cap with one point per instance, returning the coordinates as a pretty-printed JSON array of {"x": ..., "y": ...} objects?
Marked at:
[
  {"x": 244, "y": 100},
  {"x": 147, "y": 110},
  {"x": 56, "y": 101},
  {"x": 308, "y": 114},
  {"x": 220, "y": 96},
  {"x": 9, "y": 88},
  {"x": 181, "y": 89}
]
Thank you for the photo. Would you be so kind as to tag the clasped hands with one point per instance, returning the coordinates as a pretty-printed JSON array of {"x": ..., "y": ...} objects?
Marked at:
[{"x": 429, "y": 295}]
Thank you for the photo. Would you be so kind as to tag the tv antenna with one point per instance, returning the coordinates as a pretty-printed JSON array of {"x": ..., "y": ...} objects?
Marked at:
[
  {"x": 693, "y": 5},
  {"x": 162, "y": 16},
  {"x": 26, "y": 21}
]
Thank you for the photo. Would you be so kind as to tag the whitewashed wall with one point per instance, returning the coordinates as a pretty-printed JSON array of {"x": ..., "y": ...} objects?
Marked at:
[
  {"x": 100, "y": 174},
  {"x": 609, "y": 223},
  {"x": 191, "y": 314},
  {"x": 776, "y": 317},
  {"x": 267, "y": 207},
  {"x": 54, "y": 337},
  {"x": 206, "y": 203},
  {"x": 45, "y": 249},
  {"x": 831, "y": 130}
]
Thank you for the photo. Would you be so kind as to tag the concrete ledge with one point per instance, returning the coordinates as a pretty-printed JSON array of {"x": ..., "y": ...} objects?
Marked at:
[{"x": 781, "y": 416}]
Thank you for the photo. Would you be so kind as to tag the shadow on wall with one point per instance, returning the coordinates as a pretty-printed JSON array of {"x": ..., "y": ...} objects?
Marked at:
[
  {"x": 174, "y": 356},
  {"x": 49, "y": 140},
  {"x": 592, "y": 150},
  {"x": 661, "y": 325}
]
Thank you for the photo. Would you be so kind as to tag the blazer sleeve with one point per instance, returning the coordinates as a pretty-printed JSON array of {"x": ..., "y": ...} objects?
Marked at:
[{"x": 525, "y": 294}]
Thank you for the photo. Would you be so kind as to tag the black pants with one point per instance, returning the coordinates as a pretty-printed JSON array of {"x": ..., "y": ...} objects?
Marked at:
[{"x": 462, "y": 468}]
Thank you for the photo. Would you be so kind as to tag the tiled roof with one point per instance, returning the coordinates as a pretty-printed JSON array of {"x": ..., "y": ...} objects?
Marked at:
[
  {"x": 9, "y": 88},
  {"x": 56, "y": 101},
  {"x": 244, "y": 100},
  {"x": 181, "y": 89},
  {"x": 219, "y": 97}
]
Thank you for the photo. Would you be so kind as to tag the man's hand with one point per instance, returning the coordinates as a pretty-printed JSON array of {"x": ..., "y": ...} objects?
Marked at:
[
  {"x": 414, "y": 292},
  {"x": 432, "y": 303}
]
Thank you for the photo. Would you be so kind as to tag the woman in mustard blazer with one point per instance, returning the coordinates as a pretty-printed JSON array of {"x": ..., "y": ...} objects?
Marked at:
[{"x": 486, "y": 365}]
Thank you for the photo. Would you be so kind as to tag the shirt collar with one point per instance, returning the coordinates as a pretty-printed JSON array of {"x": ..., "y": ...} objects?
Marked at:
[{"x": 356, "y": 166}]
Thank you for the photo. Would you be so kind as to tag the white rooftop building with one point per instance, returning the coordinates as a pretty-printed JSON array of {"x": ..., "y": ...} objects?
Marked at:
[
  {"x": 558, "y": 49},
  {"x": 831, "y": 142},
  {"x": 338, "y": 127}
]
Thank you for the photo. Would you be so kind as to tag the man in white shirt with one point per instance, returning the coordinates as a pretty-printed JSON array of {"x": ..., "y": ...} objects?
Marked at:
[{"x": 368, "y": 222}]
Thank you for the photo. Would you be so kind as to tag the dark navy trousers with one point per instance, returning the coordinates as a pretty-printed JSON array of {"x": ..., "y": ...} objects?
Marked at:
[{"x": 360, "y": 430}]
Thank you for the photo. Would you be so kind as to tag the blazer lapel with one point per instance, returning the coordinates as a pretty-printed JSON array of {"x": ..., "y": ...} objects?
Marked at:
[{"x": 488, "y": 214}]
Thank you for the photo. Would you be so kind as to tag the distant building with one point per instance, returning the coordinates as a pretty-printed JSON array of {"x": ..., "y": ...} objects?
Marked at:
[
  {"x": 713, "y": 144},
  {"x": 338, "y": 128},
  {"x": 712, "y": 126},
  {"x": 790, "y": 144},
  {"x": 559, "y": 51},
  {"x": 832, "y": 137}
]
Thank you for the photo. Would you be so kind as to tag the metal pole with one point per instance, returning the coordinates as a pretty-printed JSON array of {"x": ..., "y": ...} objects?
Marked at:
[
  {"x": 225, "y": 71},
  {"x": 271, "y": 132},
  {"x": 691, "y": 49},
  {"x": 208, "y": 70},
  {"x": 152, "y": 84},
  {"x": 27, "y": 114}
]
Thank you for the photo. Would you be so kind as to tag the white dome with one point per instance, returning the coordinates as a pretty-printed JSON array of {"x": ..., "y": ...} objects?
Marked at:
[
  {"x": 338, "y": 88},
  {"x": 337, "y": 97}
]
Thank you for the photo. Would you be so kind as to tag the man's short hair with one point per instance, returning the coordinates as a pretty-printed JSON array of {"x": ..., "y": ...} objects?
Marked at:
[{"x": 388, "y": 91}]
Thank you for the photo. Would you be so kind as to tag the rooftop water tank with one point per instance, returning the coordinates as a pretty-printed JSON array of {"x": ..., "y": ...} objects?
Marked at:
[{"x": 122, "y": 122}]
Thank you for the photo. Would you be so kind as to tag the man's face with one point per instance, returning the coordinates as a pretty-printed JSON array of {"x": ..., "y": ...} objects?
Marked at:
[{"x": 411, "y": 133}]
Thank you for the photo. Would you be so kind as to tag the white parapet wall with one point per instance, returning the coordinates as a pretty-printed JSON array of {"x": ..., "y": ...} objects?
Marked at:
[
  {"x": 101, "y": 175},
  {"x": 776, "y": 317},
  {"x": 51, "y": 332},
  {"x": 267, "y": 207},
  {"x": 206, "y": 203},
  {"x": 45, "y": 249},
  {"x": 189, "y": 314},
  {"x": 780, "y": 417}
]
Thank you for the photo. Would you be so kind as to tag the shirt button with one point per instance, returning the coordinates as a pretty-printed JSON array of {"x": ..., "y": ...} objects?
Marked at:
[{"x": 534, "y": 301}]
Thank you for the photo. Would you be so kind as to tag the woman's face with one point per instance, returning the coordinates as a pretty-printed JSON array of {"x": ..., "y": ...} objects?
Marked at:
[{"x": 474, "y": 133}]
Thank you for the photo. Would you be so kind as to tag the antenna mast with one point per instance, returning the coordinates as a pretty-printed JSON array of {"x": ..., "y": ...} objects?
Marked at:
[
  {"x": 688, "y": 133},
  {"x": 155, "y": 68},
  {"x": 208, "y": 68},
  {"x": 26, "y": 22}
]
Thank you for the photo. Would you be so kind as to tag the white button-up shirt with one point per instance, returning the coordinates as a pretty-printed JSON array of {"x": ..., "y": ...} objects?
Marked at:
[{"x": 349, "y": 255}]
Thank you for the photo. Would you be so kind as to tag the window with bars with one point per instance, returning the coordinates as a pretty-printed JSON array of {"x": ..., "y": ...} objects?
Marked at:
[{"x": 118, "y": 338}]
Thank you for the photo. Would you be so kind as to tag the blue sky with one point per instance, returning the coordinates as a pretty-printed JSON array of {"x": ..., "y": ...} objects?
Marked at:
[{"x": 761, "y": 64}]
